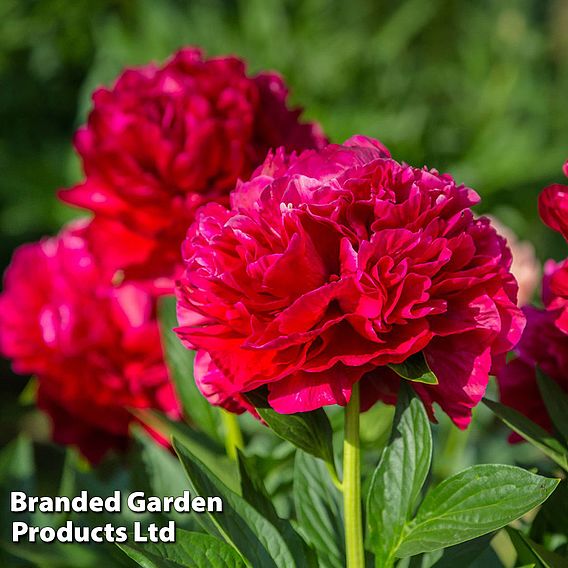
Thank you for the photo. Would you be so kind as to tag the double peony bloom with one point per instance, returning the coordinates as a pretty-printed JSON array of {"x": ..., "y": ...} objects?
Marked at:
[{"x": 332, "y": 265}]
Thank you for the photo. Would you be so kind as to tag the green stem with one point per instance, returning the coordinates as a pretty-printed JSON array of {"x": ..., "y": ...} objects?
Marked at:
[
  {"x": 233, "y": 435},
  {"x": 352, "y": 484}
]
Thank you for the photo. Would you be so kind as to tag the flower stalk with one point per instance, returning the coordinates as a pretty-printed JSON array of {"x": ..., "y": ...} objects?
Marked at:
[
  {"x": 233, "y": 434},
  {"x": 352, "y": 483}
]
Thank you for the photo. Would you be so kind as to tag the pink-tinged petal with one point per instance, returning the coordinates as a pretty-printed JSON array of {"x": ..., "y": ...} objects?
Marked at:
[
  {"x": 126, "y": 254},
  {"x": 512, "y": 323}
]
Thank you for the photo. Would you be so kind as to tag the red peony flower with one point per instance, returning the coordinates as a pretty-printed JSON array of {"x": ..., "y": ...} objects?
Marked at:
[
  {"x": 165, "y": 140},
  {"x": 553, "y": 208},
  {"x": 94, "y": 346},
  {"x": 331, "y": 266}
]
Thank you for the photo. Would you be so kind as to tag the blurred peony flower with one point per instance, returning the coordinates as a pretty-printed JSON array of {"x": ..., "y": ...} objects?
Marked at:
[
  {"x": 165, "y": 140},
  {"x": 330, "y": 266},
  {"x": 545, "y": 339},
  {"x": 542, "y": 344},
  {"x": 94, "y": 346},
  {"x": 553, "y": 208},
  {"x": 525, "y": 268}
]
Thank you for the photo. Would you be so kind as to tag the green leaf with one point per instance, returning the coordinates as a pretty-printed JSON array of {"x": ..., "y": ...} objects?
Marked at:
[
  {"x": 476, "y": 501},
  {"x": 253, "y": 489},
  {"x": 529, "y": 552},
  {"x": 164, "y": 474},
  {"x": 399, "y": 477},
  {"x": 210, "y": 452},
  {"x": 190, "y": 550},
  {"x": 28, "y": 397},
  {"x": 255, "y": 493},
  {"x": 157, "y": 472},
  {"x": 488, "y": 559},
  {"x": 531, "y": 432},
  {"x": 254, "y": 536},
  {"x": 309, "y": 431},
  {"x": 556, "y": 402},
  {"x": 416, "y": 369},
  {"x": 319, "y": 510},
  {"x": 17, "y": 473},
  {"x": 464, "y": 554},
  {"x": 180, "y": 363},
  {"x": 476, "y": 553},
  {"x": 17, "y": 465}
]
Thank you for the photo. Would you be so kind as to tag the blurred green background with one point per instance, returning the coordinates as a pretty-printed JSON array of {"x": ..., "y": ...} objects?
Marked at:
[{"x": 479, "y": 89}]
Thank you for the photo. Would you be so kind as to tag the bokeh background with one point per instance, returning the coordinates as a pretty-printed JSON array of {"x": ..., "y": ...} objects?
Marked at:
[{"x": 478, "y": 89}]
